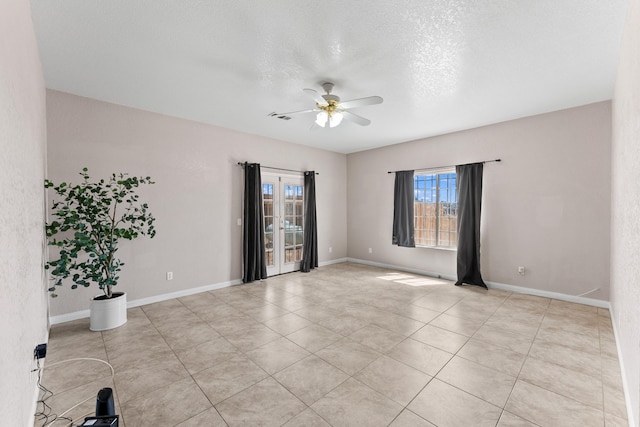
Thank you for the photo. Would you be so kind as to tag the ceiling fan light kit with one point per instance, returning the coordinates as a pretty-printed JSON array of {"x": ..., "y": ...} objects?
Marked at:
[
  {"x": 324, "y": 119},
  {"x": 330, "y": 111}
]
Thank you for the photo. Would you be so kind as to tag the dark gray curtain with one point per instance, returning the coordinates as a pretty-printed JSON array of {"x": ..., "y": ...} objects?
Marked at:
[
  {"x": 469, "y": 183},
  {"x": 310, "y": 249},
  {"x": 253, "y": 251},
  {"x": 403, "y": 230}
]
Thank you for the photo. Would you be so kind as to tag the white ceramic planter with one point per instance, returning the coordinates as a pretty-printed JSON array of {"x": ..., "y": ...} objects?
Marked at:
[{"x": 108, "y": 313}]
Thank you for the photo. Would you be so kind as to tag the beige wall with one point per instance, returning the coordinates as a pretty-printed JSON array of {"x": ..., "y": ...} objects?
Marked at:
[
  {"x": 197, "y": 197},
  {"x": 23, "y": 301},
  {"x": 545, "y": 206},
  {"x": 625, "y": 207}
]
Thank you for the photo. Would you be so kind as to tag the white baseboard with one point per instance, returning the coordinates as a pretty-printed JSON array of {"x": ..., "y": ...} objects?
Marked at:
[
  {"x": 182, "y": 293},
  {"x": 68, "y": 317},
  {"x": 163, "y": 297},
  {"x": 405, "y": 269},
  {"x": 625, "y": 385},
  {"x": 548, "y": 294},
  {"x": 82, "y": 314},
  {"x": 495, "y": 285},
  {"x": 36, "y": 389},
  {"x": 333, "y": 261}
]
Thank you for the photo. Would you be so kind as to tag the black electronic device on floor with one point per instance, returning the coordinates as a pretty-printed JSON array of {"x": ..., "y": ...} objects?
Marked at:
[
  {"x": 101, "y": 421},
  {"x": 104, "y": 403},
  {"x": 105, "y": 411}
]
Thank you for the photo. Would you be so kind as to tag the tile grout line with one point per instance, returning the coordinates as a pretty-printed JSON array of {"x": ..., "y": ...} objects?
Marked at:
[
  {"x": 321, "y": 298},
  {"x": 454, "y": 355},
  {"x": 524, "y": 362}
]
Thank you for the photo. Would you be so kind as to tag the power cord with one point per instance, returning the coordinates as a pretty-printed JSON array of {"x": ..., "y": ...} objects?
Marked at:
[{"x": 46, "y": 414}]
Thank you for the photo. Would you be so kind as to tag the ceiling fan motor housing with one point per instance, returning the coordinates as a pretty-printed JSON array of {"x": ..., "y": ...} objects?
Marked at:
[
  {"x": 328, "y": 87},
  {"x": 329, "y": 97}
]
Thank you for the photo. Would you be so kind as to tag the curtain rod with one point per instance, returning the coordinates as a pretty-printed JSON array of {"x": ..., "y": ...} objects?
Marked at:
[
  {"x": 450, "y": 166},
  {"x": 278, "y": 169}
]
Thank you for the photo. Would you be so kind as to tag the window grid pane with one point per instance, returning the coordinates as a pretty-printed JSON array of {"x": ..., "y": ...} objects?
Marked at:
[
  {"x": 294, "y": 222},
  {"x": 435, "y": 210},
  {"x": 267, "y": 201}
]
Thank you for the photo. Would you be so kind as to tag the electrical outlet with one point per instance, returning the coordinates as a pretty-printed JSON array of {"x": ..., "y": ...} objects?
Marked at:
[
  {"x": 40, "y": 351},
  {"x": 521, "y": 271},
  {"x": 169, "y": 275},
  {"x": 370, "y": 250},
  {"x": 330, "y": 249},
  {"x": 239, "y": 221}
]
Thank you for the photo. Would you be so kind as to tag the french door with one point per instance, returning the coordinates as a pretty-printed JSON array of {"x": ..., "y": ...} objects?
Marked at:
[{"x": 283, "y": 222}]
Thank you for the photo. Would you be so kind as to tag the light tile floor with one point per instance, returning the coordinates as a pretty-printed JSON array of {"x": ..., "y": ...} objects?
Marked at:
[{"x": 347, "y": 345}]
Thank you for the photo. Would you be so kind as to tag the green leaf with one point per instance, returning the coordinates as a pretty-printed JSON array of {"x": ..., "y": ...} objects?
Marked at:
[{"x": 89, "y": 220}]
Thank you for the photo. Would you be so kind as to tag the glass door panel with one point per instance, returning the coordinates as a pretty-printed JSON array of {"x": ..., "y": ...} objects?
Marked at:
[
  {"x": 271, "y": 226},
  {"x": 293, "y": 225},
  {"x": 283, "y": 222}
]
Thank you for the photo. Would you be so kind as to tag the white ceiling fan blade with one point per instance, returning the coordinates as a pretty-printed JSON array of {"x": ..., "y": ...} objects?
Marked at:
[
  {"x": 298, "y": 112},
  {"x": 316, "y": 96},
  {"x": 356, "y": 118},
  {"x": 370, "y": 100}
]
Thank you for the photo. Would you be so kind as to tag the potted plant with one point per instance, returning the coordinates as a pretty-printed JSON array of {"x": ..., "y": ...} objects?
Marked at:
[{"x": 88, "y": 221}]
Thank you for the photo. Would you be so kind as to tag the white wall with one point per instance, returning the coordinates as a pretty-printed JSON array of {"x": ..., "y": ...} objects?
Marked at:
[
  {"x": 625, "y": 207},
  {"x": 545, "y": 206},
  {"x": 23, "y": 301},
  {"x": 197, "y": 197}
]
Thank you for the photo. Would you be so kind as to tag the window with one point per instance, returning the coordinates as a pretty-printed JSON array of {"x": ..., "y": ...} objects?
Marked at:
[{"x": 436, "y": 209}]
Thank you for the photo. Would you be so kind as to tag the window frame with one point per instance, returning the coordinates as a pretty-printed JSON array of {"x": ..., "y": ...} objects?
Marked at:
[{"x": 438, "y": 218}]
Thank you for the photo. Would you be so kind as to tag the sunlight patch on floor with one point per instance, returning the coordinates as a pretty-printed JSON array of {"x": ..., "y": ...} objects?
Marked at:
[
  {"x": 396, "y": 276},
  {"x": 423, "y": 282},
  {"x": 413, "y": 280}
]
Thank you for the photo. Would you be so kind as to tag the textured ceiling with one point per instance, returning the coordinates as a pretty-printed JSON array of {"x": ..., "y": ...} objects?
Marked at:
[{"x": 440, "y": 65}]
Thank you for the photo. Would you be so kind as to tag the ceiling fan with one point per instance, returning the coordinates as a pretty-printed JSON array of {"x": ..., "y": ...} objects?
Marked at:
[{"x": 330, "y": 110}]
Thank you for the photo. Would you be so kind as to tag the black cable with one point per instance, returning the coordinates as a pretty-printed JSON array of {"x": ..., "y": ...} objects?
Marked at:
[
  {"x": 54, "y": 417},
  {"x": 45, "y": 415}
]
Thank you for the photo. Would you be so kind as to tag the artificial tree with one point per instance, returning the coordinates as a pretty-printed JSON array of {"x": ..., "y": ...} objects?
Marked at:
[{"x": 89, "y": 220}]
